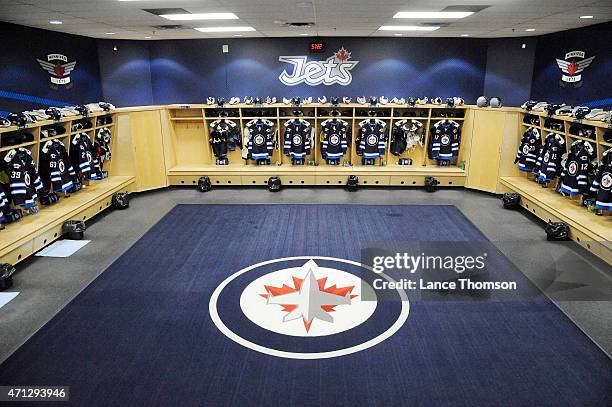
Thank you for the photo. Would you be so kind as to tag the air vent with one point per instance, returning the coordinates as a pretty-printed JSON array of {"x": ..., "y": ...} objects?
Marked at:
[
  {"x": 169, "y": 27},
  {"x": 299, "y": 24},
  {"x": 160, "y": 11}
]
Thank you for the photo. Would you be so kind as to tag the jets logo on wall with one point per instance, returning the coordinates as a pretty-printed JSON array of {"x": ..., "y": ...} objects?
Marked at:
[
  {"x": 572, "y": 67},
  {"x": 306, "y": 307},
  {"x": 59, "y": 69},
  {"x": 334, "y": 70}
]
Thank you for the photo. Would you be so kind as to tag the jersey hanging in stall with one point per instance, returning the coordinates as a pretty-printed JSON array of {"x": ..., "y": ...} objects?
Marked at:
[
  {"x": 548, "y": 164},
  {"x": 57, "y": 173},
  {"x": 445, "y": 141},
  {"x": 406, "y": 134},
  {"x": 83, "y": 157},
  {"x": 297, "y": 138},
  {"x": 575, "y": 174},
  {"x": 335, "y": 142},
  {"x": 601, "y": 188},
  {"x": 102, "y": 146},
  {"x": 529, "y": 150},
  {"x": 3, "y": 204},
  {"x": 372, "y": 139},
  {"x": 221, "y": 131},
  {"x": 24, "y": 181},
  {"x": 259, "y": 134}
]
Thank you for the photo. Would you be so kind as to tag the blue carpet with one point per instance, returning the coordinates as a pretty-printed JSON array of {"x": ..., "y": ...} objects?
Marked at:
[{"x": 141, "y": 333}]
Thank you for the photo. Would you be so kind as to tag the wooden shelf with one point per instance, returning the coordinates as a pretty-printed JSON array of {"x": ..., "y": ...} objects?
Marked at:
[
  {"x": 8, "y": 148},
  {"x": 45, "y": 139},
  {"x": 187, "y": 119},
  {"x": 592, "y": 232},
  {"x": 30, "y": 234}
]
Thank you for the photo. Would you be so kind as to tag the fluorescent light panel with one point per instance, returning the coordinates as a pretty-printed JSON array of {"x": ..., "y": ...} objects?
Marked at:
[
  {"x": 407, "y": 28},
  {"x": 433, "y": 14},
  {"x": 223, "y": 29},
  {"x": 200, "y": 16}
]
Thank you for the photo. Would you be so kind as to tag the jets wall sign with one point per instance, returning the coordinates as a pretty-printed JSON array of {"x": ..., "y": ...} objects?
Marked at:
[
  {"x": 59, "y": 69},
  {"x": 334, "y": 70},
  {"x": 572, "y": 67},
  {"x": 306, "y": 307}
]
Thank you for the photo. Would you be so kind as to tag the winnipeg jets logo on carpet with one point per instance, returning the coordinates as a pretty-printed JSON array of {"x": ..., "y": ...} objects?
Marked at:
[
  {"x": 59, "y": 69},
  {"x": 334, "y": 70},
  {"x": 306, "y": 308},
  {"x": 572, "y": 67}
]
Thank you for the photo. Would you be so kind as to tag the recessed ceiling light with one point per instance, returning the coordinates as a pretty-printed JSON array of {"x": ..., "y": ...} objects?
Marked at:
[
  {"x": 223, "y": 29},
  {"x": 55, "y": 22},
  {"x": 237, "y": 35},
  {"x": 109, "y": 33},
  {"x": 465, "y": 35},
  {"x": 398, "y": 34},
  {"x": 200, "y": 16},
  {"x": 407, "y": 28},
  {"x": 304, "y": 34},
  {"x": 586, "y": 17},
  {"x": 433, "y": 14},
  {"x": 147, "y": 37},
  {"x": 530, "y": 29}
]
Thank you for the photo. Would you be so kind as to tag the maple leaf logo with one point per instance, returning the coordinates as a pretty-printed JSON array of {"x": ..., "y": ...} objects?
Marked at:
[
  {"x": 59, "y": 70},
  {"x": 311, "y": 291},
  {"x": 342, "y": 55}
]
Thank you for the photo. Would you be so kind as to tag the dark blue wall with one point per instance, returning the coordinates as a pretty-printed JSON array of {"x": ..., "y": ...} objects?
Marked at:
[
  {"x": 25, "y": 85},
  {"x": 125, "y": 70},
  {"x": 189, "y": 70},
  {"x": 509, "y": 69},
  {"x": 596, "y": 89}
]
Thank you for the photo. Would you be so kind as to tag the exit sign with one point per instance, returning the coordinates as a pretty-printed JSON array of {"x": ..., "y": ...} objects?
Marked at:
[{"x": 316, "y": 47}]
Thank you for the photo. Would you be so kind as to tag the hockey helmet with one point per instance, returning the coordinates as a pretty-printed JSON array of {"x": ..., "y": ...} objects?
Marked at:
[
  {"x": 258, "y": 101},
  {"x": 557, "y": 231},
  {"x": 234, "y": 100},
  {"x": 383, "y": 100},
  {"x": 18, "y": 119},
  {"x": 411, "y": 101},
  {"x": 372, "y": 100},
  {"x": 581, "y": 112},
  {"x": 334, "y": 100},
  {"x": 105, "y": 106},
  {"x": 450, "y": 102},
  {"x": 495, "y": 101},
  {"x": 6, "y": 276},
  {"x": 511, "y": 200},
  {"x": 482, "y": 101},
  {"x": 83, "y": 110},
  {"x": 74, "y": 229},
  {"x": 437, "y": 101},
  {"x": 422, "y": 101},
  {"x": 346, "y": 100},
  {"x": 552, "y": 108},
  {"x": 274, "y": 184},
  {"x": 361, "y": 100},
  {"x": 322, "y": 99},
  {"x": 607, "y": 136},
  {"x": 54, "y": 112},
  {"x": 296, "y": 101},
  {"x": 204, "y": 184},
  {"x": 220, "y": 101},
  {"x": 248, "y": 100},
  {"x": 121, "y": 200},
  {"x": 352, "y": 183},
  {"x": 210, "y": 100},
  {"x": 459, "y": 101}
]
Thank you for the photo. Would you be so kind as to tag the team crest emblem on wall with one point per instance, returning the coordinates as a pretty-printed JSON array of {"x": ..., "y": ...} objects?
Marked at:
[
  {"x": 572, "y": 67},
  {"x": 59, "y": 70},
  {"x": 306, "y": 308},
  {"x": 334, "y": 70}
]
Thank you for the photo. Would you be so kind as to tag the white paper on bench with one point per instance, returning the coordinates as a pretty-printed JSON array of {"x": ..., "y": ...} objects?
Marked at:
[
  {"x": 5, "y": 298},
  {"x": 62, "y": 248}
]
